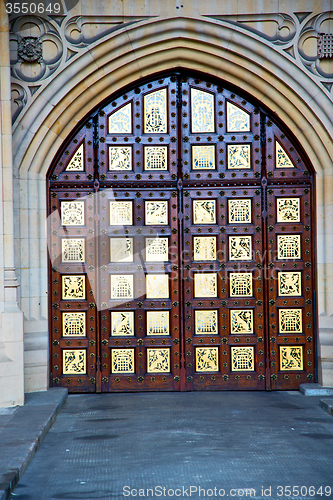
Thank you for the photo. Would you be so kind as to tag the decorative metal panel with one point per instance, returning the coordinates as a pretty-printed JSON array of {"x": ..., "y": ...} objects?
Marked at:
[
  {"x": 122, "y": 323},
  {"x": 74, "y": 361},
  {"x": 237, "y": 119},
  {"x": 157, "y": 286},
  {"x": 156, "y": 158},
  {"x": 241, "y": 284},
  {"x": 77, "y": 161},
  {"x": 206, "y": 322},
  {"x": 205, "y": 284},
  {"x": 120, "y": 158},
  {"x": 72, "y": 213},
  {"x": 290, "y": 283},
  {"x": 202, "y": 106},
  {"x": 72, "y": 249},
  {"x": 121, "y": 249},
  {"x": 73, "y": 287},
  {"x": 156, "y": 213},
  {"x": 204, "y": 248},
  {"x": 207, "y": 359},
  {"x": 239, "y": 211},
  {"x": 203, "y": 157},
  {"x": 240, "y": 247},
  {"x": 282, "y": 159},
  {"x": 74, "y": 324},
  {"x": 290, "y": 320},
  {"x": 158, "y": 323},
  {"x": 289, "y": 246},
  {"x": 204, "y": 212},
  {"x": 288, "y": 210},
  {"x": 158, "y": 360},
  {"x": 122, "y": 286},
  {"x": 239, "y": 156},
  {"x": 120, "y": 122},
  {"x": 122, "y": 360},
  {"x": 242, "y": 359},
  {"x": 291, "y": 358},
  {"x": 121, "y": 213},
  {"x": 157, "y": 249},
  {"x": 241, "y": 321},
  {"x": 155, "y": 105}
]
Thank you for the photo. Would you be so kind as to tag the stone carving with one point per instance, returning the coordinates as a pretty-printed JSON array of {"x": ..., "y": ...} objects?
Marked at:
[
  {"x": 29, "y": 49},
  {"x": 325, "y": 45}
]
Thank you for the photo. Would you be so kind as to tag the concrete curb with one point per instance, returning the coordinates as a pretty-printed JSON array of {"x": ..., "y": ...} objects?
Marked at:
[
  {"x": 315, "y": 390},
  {"x": 327, "y": 405}
]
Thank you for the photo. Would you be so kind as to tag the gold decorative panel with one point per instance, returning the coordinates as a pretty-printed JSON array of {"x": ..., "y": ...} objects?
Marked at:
[
  {"x": 289, "y": 246},
  {"x": 155, "y": 112},
  {"x": 77, "y": 162},
  {"x": 203, "y": 157},
  {"x": 237, "y": 119},
  {"x": 241, "y": 321},
  {"x": 290, "y": 283},
  {"x": 74, "y": 324},
  {"x": 239, "y": 156},
  {"x": 72, "y": 249},
  {"x": 156, "y": 213},
  {"x": 157, "y": 249},
  {"x": 122, "y": 323},
  {"x": 288, "y": 210},
  {"x": 206, "y": 322},
  {"x": 74, "y": 361},
  {"x": 240, "y": 284},
  {"x": 204, "y": 212},
  {"x": 239, "y": 211},
  {"x": 121, "y": 249},
  {"x": 157, "y": 286},
  {"x": 122, "y": 360},
  {"x": 73, "y": 287},
  {"x": 121, "y": 213},
  {"x": 120, "y": 122},
  {"x": 158, "y": 323},
  {"x": 240, "y": 247},
  {"x": 207, "y": 359},
  {"x": 205, "y": 285},
  {"x": 122, "y": 286},
  {"x": 156, "y": 158},
  {"x": 120, "y": 158},
  {"x": 158, "y": 360},
  {"x": 291, "y": 358},
  {"x": 282, "y": 158},
  {"x": 290, "y": 320},
  {"x": 72, "y": 213},
  {"x": 202, "y": 106},
  {"x": 242, "y": 359},
  {"x": 204, "y": 248}
]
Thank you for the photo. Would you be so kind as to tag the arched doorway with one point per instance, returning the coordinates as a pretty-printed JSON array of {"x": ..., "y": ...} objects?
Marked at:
[{"x": 181, "y": 245}]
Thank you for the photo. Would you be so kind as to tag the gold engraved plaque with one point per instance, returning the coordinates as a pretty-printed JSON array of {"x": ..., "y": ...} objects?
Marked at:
[
  {"x": 158, "y": 360},
  {"x": 206, "y": 322},
  {"x": 122, "y": 360},
  {"x": 241, "y": 321},
  {"x": 241, "y": 285},
  {"x": 122, "y": 286},
  {"x": 158, "y": 323},
  {"x": 204, "y": 248},
  {"x": 157, "y": 286},
  {"x": 122, "y": 323},
  {"x": 205, "y": 285},
  {"x": 121, "y": 213},
  {"x": 121, "y": 249},
  {"x": 282, "y": 158},
  {"x": 204, "y": 211},
  {"x": 72, "y": 213},
  {"x": 207, "y": 359},
  {"x": 72, "y": 249},
  {"x": 157, "y": 249},
  {"x": 202, "y": 106},
  {"x": 240, "y": 247},
  {"x": 239, "y": 211},
  {"x": 77, "y": 162},
  {"x": 74, "y": 324},
  {"x": 155, "y": 112},
  {"x": 288, "y": 210},
  {"x": 203, "y": 157},
  {"x": 120, "y": 158},
  {"x": 289, "y": 246},
  {"x": 239, "y": 156},
  {"x": 290, "y": 320},
  {"x": 120, "y": 122},
  {"x": 73, "y": 361},
  {"x": 156, "y": 213},
  {"x": 156, "y": 158},
  {"x": 291, "y": 358},
  {"x": 290, "y": 283},
  {"x": 242, "y": 359},
  {"x": 73, "y": 287},
  {"x": 237, "y": 119}
]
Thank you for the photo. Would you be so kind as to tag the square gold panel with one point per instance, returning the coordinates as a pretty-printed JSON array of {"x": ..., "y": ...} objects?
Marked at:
[
  {"x": 242, "y": 359},
  {"x": 122, "y": 360},
  {"x": 120, "y": 121},
  {"x": 241, "y": 321},
  {"x": 206, "y": 322},
  {"x": 239, "y": 211},
  {"x": 237, "y": 119},
  {"x": 74, "y": 361},
  {"x": 204, "y": 248},
  {"x": 73, "y": 324},
  {"x": 72, "y": 249},
  {"x": 207, "y": 359},
  {"x": 282, "y": 158},
  {"x": 291, "y": 358},
  {"x": 120, "y": 158},
  {"x": 158, "y": 360},
  {"x": 240, "y": 284},
  {"x": 76, "y": 163},
  {"x": 290, "y": 283},
  {"x": 122, "y": 286},
  {"x": 72, "y": 213},
  {"x": 157, "y": 286},
  {"x": 122, "y": 323},
  {"x": 203, "y": 157},
  {"x": 157, "y": 249},
  {"x": 288, "y": 210},
  {"x": 158, "y": 323},
  {"x": 204, "y": 211},
  {"x": 155, "y": 112},
  {"x": 121, "y": 249},
  {"x": 240, "y": 247},
  {"x": 205, "y": 285},
  {"x": 156, "y": 157},
  {"x": 289, "y": 246},
  {"x": 73, "y": 287},
  {"x": 290, "y": 321},
  {"x": 239, "y": 156},
  {"x": 156, "y": 213},
  {"x": 121, "y": 213},
  {"x": 202, "y": 107}
]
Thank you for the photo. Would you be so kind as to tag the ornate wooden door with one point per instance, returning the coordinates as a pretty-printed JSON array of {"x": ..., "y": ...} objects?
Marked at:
[{"x": 181, "y": 248}]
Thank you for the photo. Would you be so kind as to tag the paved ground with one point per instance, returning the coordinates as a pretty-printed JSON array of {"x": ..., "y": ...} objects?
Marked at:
[{"x": 111, "y": 446}]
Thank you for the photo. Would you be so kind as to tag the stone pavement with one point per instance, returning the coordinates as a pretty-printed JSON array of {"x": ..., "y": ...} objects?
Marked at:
[{"x": 168, "y": 445}]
